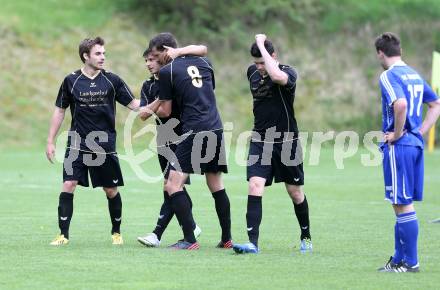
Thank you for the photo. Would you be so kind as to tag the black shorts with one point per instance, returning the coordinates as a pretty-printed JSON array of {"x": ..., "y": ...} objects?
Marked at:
[
  {"x": 276, "y": 163},
  {"x": 164, "y": 158},
  {"x": 104, "y": 169},
  {"x": 201, "y": 153}
]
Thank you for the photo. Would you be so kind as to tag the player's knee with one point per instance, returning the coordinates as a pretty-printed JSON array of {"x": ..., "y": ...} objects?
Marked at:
[
  {"x": 171, "y": 188},
  {"x": 69, "y": 186},
  {"x": 256, "y": 188},
  {"x": 110, "y": 191},
  {"x": 403, "y": 208},
  {"x": 215, "y": 185},
  {"x": 214, "y": 181},
  {"x": 167, "y": 187},
  {"x": 296, "y": 195}
]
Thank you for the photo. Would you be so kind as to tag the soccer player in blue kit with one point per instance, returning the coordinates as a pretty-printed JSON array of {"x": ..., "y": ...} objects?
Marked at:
[
  {"x": 91, "y": 93},
  {"x": 403, "y": 92}
]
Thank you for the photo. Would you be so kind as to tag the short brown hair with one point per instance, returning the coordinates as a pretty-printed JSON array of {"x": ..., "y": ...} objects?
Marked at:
[
  {"x": 164, "y": 38},
  {"x": 389, "y": 44},
  {"x": 147, "y": 52},
  {"x": 86, "y": 45}
]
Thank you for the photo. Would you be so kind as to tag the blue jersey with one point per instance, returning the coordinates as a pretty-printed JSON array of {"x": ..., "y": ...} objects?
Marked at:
[{"x": 401, "y": 81}]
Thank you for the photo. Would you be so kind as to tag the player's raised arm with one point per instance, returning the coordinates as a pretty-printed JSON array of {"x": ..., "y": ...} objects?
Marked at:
[
  {"x": 271, "y": 64},
  {"x": 55, "y": 124},
  {"x": 199, "y": 50}
]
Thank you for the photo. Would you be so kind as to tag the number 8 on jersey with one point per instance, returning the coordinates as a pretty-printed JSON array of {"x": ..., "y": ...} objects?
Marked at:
[{"x": 194, "y": 73}]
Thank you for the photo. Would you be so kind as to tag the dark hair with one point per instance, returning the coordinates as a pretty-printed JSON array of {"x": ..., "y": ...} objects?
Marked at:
[
  {"x": 388, "y": 43},
  {"x": 86, "y": 45},
  {"x": 164, "y": 38},
  {"x": 255, "y": 51},
  {"x": 147, "y": 52}
]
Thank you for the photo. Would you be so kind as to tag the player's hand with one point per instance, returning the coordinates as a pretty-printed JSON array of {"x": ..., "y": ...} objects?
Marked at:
[
  {"x": 143, "y": 113},
  {"x": 260, "y": 38},
  {"x": 50, "y": 152},
  {"x": 171, "y": 53},
  {"x": 391, "y": 137}
]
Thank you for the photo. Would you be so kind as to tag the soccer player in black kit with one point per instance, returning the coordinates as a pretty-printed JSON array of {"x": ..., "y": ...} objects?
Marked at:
[
  {"x": 149, "y": 94},
  {"x": 91, "y": 93},
  {"x": 189, "y": 81},
  {"x": 274, "y": 150}
]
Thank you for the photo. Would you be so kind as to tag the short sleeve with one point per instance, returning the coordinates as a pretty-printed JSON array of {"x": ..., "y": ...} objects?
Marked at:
[
  {"x": 212, "y": 71},
  {"x": 149, "y": 92},
  {"x": 123, "y": 93},
  {"x": 144, "y": 92},
  {"x": 64, "y": 97},
  {"x": 213, "y": 79},
  {"x": 391, "y": 88},
  {"x": 250, "y": 71},
  {"x": 428, "y": 93},
  {"x": 291, "y": 77},
  {"x": 165, "y": 84}
]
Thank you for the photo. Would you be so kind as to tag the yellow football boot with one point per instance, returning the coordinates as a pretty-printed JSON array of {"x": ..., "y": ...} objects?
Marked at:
[
  {"x": 117, "y": 239},
  {"x": 59, "y": 241}
]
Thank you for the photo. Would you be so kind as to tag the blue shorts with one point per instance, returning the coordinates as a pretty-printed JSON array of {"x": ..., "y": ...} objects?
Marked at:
[{"x": 403, "y": 173}]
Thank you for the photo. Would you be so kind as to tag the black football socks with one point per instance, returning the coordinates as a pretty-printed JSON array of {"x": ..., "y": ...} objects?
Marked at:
[
  {"x": 253, "y": 218},
  {"x": 165, "y": 215},
  {"x": 302, "y": 214},
  {"x": 182, "y": 208},
  {"x": 115, "y": 209},
  {"x": 223, "y": 209},
  {"x": 65, "y": 211},
  {"x": 189, "y": 197},
  {"x": 190, "y": 205}
]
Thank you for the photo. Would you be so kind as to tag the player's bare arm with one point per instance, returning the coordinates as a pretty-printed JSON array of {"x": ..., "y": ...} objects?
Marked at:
[
  {"x": 431, "y": 116},
  {"x": 134, "y": 105},
  {"x": 271, "y": 64},
  {"x": 199, "y": 50},
  {"x": 147, "y": 111},
  {"x": 399, "y": 107},
  {"x": 55, "y": 124},
  {"x": 165, "y": 109}
]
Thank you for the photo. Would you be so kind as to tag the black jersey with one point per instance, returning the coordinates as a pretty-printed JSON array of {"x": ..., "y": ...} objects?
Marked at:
[
  {"x": 189, "y": 81},
  {"x": 150, "y": 92},
  {"x": 93, "y": 105},
  {"x": 273, "y": 103}
]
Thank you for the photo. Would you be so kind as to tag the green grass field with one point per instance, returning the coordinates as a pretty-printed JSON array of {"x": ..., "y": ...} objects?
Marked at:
[{"x": 351, "y": 229}]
